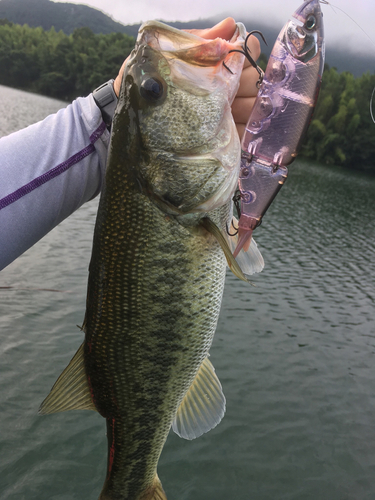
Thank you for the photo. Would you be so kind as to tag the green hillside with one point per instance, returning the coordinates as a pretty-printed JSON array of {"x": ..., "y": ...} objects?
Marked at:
[{"x": 62, "y": 16}]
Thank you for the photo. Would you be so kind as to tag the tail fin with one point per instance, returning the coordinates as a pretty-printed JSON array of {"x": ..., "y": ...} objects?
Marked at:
[
  {"x": 155, "y": 492},
  {"x": 158, "y": 493}
]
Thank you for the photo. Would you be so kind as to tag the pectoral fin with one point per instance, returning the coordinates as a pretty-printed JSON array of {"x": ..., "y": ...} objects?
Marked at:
[
  {"x": 203, "y": 406},
  {"x": 71, "y": 390}
]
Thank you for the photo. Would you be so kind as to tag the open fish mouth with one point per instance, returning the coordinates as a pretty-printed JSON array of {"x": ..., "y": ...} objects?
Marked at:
[
  {"x": 195, "y": 62},
  {"x": 189, "y": 46},
  {"x": 192, "y": 122}
]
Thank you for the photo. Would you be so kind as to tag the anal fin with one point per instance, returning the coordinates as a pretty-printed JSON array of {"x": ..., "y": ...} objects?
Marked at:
[
  {"x": 203, "y": 406},
  {"x": 71, "y": 390}
]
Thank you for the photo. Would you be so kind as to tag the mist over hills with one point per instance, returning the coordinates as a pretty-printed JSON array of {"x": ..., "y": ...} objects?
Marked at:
[{"x": 67, "y": 17}]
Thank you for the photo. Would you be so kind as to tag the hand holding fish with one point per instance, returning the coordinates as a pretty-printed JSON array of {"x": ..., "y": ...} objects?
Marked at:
[{"x": 247, "y": 92}]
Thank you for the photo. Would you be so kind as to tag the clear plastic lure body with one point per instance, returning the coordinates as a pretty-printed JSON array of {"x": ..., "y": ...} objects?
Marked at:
[{"x": 281, "y": 114}]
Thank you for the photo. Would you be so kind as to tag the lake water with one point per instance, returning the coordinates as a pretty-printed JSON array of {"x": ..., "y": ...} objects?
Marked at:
[{"x": 295, "y": 355}]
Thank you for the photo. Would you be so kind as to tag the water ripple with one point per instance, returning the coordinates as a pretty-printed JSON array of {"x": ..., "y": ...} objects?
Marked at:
[{"x": 295, "y": 356}]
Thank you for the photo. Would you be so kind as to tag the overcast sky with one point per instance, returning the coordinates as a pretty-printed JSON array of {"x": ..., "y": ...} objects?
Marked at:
[{"x": 339, "y": 29}]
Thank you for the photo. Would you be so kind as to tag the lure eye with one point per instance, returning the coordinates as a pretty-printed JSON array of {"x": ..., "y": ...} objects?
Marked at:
[
  {"x": 151, "y": 89},
  {"x": 310, "y": 23}
]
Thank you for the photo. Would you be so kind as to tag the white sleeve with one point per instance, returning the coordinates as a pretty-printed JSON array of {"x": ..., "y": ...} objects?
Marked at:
[{"x": 47, "y": 171}]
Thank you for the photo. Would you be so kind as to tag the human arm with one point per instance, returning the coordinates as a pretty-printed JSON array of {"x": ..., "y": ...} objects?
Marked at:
[{"x": 48, "y": 170}]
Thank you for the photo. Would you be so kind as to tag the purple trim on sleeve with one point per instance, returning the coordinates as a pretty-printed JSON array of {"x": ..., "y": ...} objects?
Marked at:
[
  {"x": 54, "y": 172},
  {"x": 98, "y": 132}
]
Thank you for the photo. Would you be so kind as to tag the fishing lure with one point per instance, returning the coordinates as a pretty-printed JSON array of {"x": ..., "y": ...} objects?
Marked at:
[{"x": 281, "y": 115}]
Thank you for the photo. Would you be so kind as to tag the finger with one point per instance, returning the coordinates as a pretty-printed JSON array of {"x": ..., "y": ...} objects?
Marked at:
[
  {"x": 240, "y": 130},
  {"x": 118, "y": 79},
  {"x": 241, "y": 108},
  {"x": 248, "y": 83},
  {"x": 225, "y": 30}
]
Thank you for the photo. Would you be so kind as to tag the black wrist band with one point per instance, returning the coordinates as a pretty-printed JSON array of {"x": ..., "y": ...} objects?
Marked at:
[{"x": 106, "y": 100}]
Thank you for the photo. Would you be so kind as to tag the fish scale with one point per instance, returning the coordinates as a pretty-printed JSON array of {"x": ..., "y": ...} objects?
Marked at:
[{"x": 141, "y": 365}]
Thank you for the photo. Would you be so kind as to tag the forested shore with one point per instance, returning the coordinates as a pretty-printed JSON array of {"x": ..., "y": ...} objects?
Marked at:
[
  {"x": 59, "y": 65},
  {"x": 342, "y": 131},
  {"x": 67, "y": 66}
]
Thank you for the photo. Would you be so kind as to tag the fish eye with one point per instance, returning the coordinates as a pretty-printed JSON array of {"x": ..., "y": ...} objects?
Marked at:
[
  {"x": 151, "y": 89},
  {"x": 310, "y": 22}
]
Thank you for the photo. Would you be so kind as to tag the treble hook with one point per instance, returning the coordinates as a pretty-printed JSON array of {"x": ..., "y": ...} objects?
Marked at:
[
  {"x": 236, "y": 200},
  {"x": 246, "y": 52},
  {"x": 236, "y": 229}
]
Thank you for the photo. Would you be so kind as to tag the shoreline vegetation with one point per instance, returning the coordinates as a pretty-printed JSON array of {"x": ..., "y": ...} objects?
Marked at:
[
  {"x": 59, "y": 65},
  {"x": 67, "y": 66}
]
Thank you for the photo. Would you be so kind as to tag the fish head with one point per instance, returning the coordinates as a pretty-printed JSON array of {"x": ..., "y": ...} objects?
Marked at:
[
  {"x": 304, "y": 34},
  {"x": 180, "y": 94}
]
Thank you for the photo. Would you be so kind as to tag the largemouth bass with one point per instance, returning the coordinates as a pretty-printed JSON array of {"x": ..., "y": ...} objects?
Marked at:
[{"x": 157, "y": 270}]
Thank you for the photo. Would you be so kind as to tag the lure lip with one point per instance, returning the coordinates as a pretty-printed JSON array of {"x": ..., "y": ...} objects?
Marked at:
[{"x": 244, "y": 238}]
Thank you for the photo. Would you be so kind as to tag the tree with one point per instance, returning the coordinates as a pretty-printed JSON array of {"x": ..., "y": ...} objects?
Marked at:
[{"x": 56, "y": 64}]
